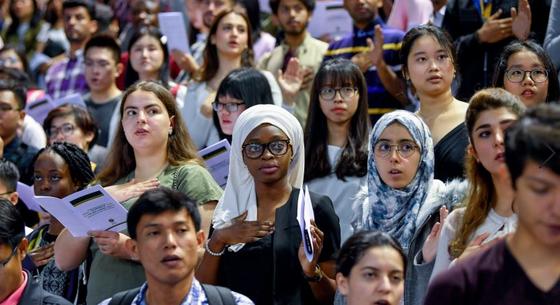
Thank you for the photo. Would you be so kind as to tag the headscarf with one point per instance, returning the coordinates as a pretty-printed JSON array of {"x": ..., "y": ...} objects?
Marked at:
[
  {"x": 239, "y": 195},
  {"x": 395, "y": 211}
]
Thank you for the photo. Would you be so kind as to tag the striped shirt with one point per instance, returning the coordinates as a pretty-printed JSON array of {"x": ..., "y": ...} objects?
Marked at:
[{"x": 67, "y": 77}]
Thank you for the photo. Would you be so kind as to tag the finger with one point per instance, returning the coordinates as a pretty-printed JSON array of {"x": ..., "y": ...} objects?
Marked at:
[
  {"x": 370, "y": 44},
  {"x": 241, "y": 216},
  {"x": 496, "y": 15},
  {"x": 513, "y": 12},
  {"x": 480, "y": 239},
  {"x": 379, "y": 35}
]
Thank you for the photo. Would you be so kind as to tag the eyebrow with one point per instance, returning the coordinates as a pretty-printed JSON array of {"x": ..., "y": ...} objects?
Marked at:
[
  {"x": 158, "y": 225},
  {"x": 484, "y": 126},
  {"x": 533, "y": 66},
  {"x": 147, "y": 106},
  {"x": 398, "y": 141}
]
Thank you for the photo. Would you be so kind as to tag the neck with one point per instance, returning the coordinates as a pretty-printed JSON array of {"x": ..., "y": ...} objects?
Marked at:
[
  {"x": 168, "y": 294},
  {"x": 294, "y": 41},
  {"x": 504, "y": 195},
  {"x": 338, "y": 133},
  {"x": 361, "y": 25},
  {"x": 227, "y": 64},
  {"x": 433, "y": 105},
  {"x": 7, "y": 140},
  {"x": 532, "y": 254},
  {"x": 148, "y": 76},
  {"x": 76, "y": 46},
  {"x": 274, "y": 193},
  {"x": 149, "y": 164},
  {"x": 101, "y": 97},
  {"x": 55, "y": 227}
]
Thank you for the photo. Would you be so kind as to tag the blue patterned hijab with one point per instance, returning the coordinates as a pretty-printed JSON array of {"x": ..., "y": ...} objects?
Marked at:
[{"x": 395, "y": 211}]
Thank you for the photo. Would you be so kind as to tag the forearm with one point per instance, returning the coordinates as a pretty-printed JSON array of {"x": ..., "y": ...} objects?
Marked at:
[
  {"x": 207, "y": 271},
  {"x": 392, "y": 83},
  {"x": 206, "y": 212},
  {"x": 70, "y": 251},
  {"x": 325, "y": 289}
]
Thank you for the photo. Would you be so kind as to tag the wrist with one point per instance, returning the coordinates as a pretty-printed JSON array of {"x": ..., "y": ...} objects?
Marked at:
[
  {"x": 214, "y": 250},
  {"x": 315, "y": 276},
  {"x": 478, "y": 37}
]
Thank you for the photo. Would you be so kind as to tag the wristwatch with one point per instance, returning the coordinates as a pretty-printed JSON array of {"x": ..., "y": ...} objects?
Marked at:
[{"x": 317, "y": 277}]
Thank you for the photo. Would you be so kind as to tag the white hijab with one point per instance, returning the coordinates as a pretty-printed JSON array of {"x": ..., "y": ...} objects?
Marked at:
[{"x": 240, "y": 195}]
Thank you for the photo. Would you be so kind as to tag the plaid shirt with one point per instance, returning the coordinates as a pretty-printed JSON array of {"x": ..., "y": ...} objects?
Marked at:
[
  {"x": 67, "y": 77},
  {"x": 196, "y": 296}
]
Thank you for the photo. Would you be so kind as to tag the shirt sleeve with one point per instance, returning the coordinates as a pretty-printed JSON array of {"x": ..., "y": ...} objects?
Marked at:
[
  {"x": 443, "y": 258},
  {"x": 197, "y": 183}
]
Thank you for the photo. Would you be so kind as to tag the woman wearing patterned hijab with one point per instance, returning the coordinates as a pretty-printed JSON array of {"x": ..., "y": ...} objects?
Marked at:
[{"x": 404, "y": 199}]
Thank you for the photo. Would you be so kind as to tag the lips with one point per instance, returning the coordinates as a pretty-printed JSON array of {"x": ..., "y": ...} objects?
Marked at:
[
  {"x": 338, "y": 109},
  {"x": 395, "y": 172},
  {"x": 381, "y": 302},
  {"x": 141, "y": 132},
  {"x": 434, "y": 78},
  {"x": 269, "y": 169},
  {"x": 528, "y": 93},
  {"x": 500, "y": 157},
  {"x": 171, "y": 260}
]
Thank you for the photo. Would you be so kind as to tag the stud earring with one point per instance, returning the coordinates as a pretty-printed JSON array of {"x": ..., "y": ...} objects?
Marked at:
[{"x": 170, "y": 132}]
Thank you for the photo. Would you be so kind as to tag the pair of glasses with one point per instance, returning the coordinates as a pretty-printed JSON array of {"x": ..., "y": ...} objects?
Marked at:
[
  {"x": 67, "y": 129},
  {"x": 7, "y": 107},
  {"x": 4, "y": 262},
  {"x": 405, "y": 148},
  {"x": 229, "y": 107},
  {"x": 8, "y": 61},
  {"x": 329, "y": 93},
  {"x": 518, "y": 75},
  {"x": 256, "y": 150}
]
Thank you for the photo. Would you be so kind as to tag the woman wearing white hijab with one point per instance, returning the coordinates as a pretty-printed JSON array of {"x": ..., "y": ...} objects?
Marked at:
[{"x": 256, "y": 247}]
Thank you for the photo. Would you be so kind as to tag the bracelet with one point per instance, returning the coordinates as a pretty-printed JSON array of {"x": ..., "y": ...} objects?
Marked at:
[
  {"x": 212, "y": 252},
  {"x": 315, "y": 278}
]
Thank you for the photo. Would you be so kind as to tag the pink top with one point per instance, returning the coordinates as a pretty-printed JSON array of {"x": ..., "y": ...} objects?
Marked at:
[
  {"x": 15, "y": 297},
  {"x": 407, "y": 14}
]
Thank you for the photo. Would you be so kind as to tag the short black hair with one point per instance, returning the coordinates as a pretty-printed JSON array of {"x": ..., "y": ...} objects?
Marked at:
[
  {"x": 19, "y": 90},
  {"x": 105, "y": 41},
  {"x": 534, "y": 137},
  {"x": 158, "y": 201},
  {"x": 12, "y": 227},
  {"x": 357, "y": 245},
  {"x": 309, "y": 5},
  {"x": 87, "y": 4},
  {"x": 9, "y": 175}
]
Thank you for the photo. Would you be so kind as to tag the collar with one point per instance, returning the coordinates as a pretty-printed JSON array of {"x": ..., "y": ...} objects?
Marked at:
[
  {"x": 79, "y": 54},
  {"x": 302, "y": 46},
  {"x": 13, "y": 145},
  {"x": 369, "y": 30},
  {"x": 194, "y": 297},
  {"x": 15, "y": 297}
]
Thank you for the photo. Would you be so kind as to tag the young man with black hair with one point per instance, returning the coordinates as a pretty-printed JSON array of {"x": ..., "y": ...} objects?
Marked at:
[
  {"x": 524, "y": 268},
  {"x": 67, "y": 76},
  {"x": 16, "y": 285},
  {"x": 165, "y": 236}
]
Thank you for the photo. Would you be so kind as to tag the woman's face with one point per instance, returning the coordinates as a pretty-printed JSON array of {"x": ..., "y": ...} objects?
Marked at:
[
  {"x": 146, "y": 56},
  {"x": 52, "y": 176},
  {"x": 65, "y": 129},
  {"x": 267, "y": 168},
  {"x": 10, "y": 59},
  {"x": 232, "y": 36},
  {"x": 396, "y": 168},
  {"x": 430, "y": 68},
  {"x": 531, "y": 91},
  {"x": 228, "y": 118},
  {"x": 23, "y": 9},
  {"x": 146, "y": 122},
  {"x": 488, "y": 138},
  {"x": 341, "y": 107},
  {"x": 377, "y": 278}
]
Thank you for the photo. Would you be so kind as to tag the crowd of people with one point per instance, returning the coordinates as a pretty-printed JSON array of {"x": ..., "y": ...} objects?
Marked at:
[{"x": 424, "y": 141}]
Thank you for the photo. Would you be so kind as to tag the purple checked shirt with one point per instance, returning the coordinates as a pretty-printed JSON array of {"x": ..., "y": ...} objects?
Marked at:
[{"x": 67, "y": 77}]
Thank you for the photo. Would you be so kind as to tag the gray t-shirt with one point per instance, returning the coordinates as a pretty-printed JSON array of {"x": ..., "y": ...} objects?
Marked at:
[{"x": 102, "y": 114}]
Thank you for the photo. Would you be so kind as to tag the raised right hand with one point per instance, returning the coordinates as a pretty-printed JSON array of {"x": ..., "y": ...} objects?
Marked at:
[
  {"x": 495, "y": 29},
  {"x": 241, "y": 231}
]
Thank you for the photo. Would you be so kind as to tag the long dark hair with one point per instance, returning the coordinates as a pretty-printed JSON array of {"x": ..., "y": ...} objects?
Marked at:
[
  {"x": 35, "y": 19},
  {"x": 131, "y": 75},
  {"x": 211, "y": 61},
  {"x": 353, "y": 159},
  {"x": 519, "y": 46},
  {"x": 245, "y": 84}
]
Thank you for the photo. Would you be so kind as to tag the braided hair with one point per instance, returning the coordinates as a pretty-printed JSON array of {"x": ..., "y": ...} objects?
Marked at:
[{"x": 76, "y": 159}]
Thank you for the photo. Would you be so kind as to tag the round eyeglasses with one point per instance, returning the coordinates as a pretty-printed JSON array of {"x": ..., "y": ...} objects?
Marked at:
[
  {"x": 67, "y": 129},
  {"x": 329, "y": 93},
  {"x": 256, "y": 150},
  {"x": 405, "y": 149},
  {"x": 518, "y": 75}
]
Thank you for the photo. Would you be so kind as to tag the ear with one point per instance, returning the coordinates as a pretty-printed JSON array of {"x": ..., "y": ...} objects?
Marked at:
[
  {"x": 200, "y": 238},
  {"x": 21, "y": 116},
  {"x": 132, "y": 248},
  {"x": 120, "y": 69},
  {"x": 88, "y": 137},
  {"x": 93, "y": 26},
  {"x": 14, "y": 198},
  {"x": 471, "y": 151},
  {"x": 23, "y": 248},
  {"x": 342, "y": 283}
]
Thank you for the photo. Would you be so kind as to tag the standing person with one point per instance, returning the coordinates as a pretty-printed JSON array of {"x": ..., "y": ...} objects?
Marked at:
[
  {"x": 526, "y": 70},
  {"x": 18, "y": 286},
  {"x": 102, "y": 68},
  {"x": 429, "y": 66},
  {"x": 552, "y": 38},
  {"x": 293, "y": 17},
  {"x": 152, "y": 148},
  {"x": 370, "y": 269},
  {"x": 164, "y": 225},
  {"x": 336, "y": 138},
  {"x": 524, "y": 267},
  {"x": 406, "y": 14},
  {"x": 256, "y": 223},
  {"x": 379, "y": 60},
  {"x": 263, "y": 42},
  {"x": 489, "y": 210},
  {"x": 480, "y": 31}
]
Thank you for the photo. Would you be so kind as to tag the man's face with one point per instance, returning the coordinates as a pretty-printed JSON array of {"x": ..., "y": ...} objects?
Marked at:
[
  {"x": 537, "y": 200},
  {"x": 167, "y": 244},
  {"x": 78, "y": 24},
  {"x": 293, "y": 16},
  {"x": 11, "y": 116},
  {"x": 101, "y": 70},
  {"x": 362, "y": 11},
  {"x": 212, "y": 8},
  {"x": 10, "y": 272},
  {"x": 144, "y": 13}
]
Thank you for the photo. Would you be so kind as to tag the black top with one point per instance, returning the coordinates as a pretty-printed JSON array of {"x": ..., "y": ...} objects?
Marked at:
[
  {"x": 449, "y": 154},
  {"x": 34, "y": 294},
  {"x": 493, "y": 277},
  {"x": 268, "y": 271},
  {"x": 21, "y": 155},
  {"x": 102, "y": 114}
]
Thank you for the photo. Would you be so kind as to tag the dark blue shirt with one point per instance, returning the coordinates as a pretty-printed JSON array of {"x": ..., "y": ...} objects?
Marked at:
[{"x": 21, "y": 155}]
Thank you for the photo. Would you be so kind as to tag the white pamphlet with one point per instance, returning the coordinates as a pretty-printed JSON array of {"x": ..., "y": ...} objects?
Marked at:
[
  {"x": 172, "y": 25},
  {"x": 72, "y": 99},
  {"x": 216, "y": 157},
  {"x": 91, "y": 209},
  {"x": 27, "y": 196},
  {"x": 39, "y": 108},
  {"x": 330, "y": 18},
  {"x": 304, "y": 216}
]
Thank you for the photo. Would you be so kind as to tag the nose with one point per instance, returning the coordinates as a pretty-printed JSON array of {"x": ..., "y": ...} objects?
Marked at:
[
  {"x": 141, "y": 117},
  {"x": 499, "y": 137},
  {"x": 394, "y": 156},
  {"x": 433, "y": 64},
  {"x": 527, "y": 79},
  {"x": 170, "y": 240},
  {"x": 384, "y": 284},
  {"x": 44, "y": 186},
  {"x": 144, "y": 52}
]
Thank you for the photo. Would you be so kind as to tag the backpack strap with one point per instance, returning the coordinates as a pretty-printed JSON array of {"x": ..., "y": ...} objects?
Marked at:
[
  {"x": 124, "y": 297},
  {"x": 217, "y": 295}
]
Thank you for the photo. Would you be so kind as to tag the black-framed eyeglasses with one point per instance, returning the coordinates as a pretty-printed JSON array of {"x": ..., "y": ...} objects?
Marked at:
[
  {"x": 230, "y": 107},
  {"x": 67, "y": 129},
  {"x": 329, "y": 93},
  {"x": 405, "y": 148},
  {"x": 256, "y": 150},
  {"x": 4, "y": 262},
  {"x": 518, "y": 75},
  {"x": 7, "y": 107}
]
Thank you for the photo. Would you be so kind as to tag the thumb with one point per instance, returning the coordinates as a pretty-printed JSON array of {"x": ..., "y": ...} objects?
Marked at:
[
  {"x": 435, "y": 229},
  {"x": 279, "y": 74},
  {"x": 496, "y": 15},
  {"x": 241, "y": 217},
  {"x": 480, "y": 239},
  {"x": 370, "y": 44},
  {"x": 513, "y": 12}
]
